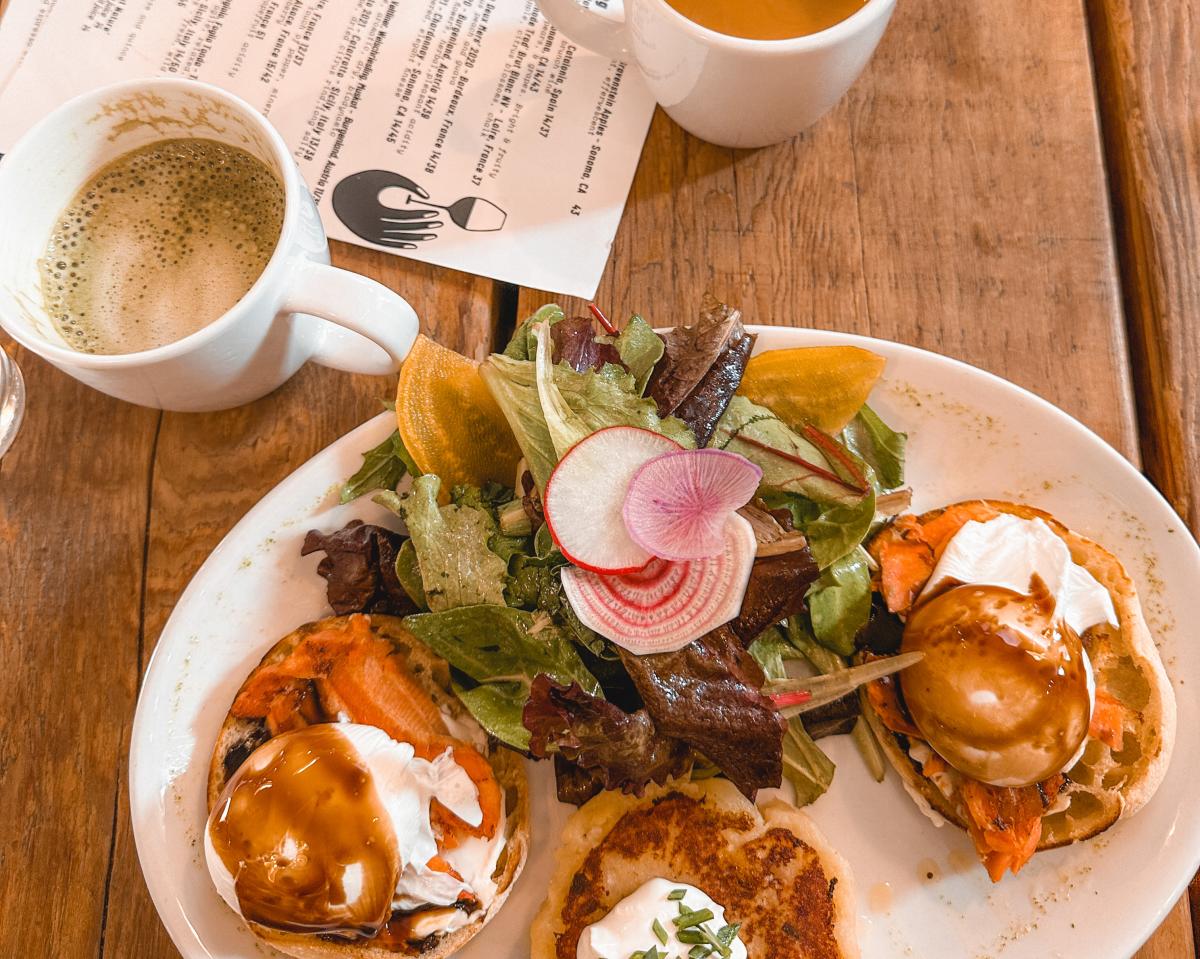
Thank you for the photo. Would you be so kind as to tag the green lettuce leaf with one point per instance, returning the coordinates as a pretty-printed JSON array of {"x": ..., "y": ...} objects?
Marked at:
[
  {"x": 523, "y": 346},
  {"x": 514, "y": 386},
  {"x": 552, "y": 407},
  {"x": 746, "y": 420},
  {"x": 839, "y": 603},
  {"x": 771, "y": 650},
  {"x": 383, "y": 468},
  {"x": 451, "y": 542},
  {"x": 595, "y": 400},
  {"x": 498, "y": 707},
  {"x": 535, "y": 583},
  {"x": 640, "y": 348},
  {"x": 839, "y": 529},
  {"x": 806, "y": 767},
  {"x": 501, "y": 644},
  {"x": 878, "y": 445},
  {"x": 488, "y": 501},
  {"x": 409, "y": 574},
  {"x": 502, "y": 650}
]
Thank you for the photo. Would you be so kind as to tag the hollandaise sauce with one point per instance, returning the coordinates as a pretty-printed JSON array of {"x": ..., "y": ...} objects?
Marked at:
[{"x": 310, "y": 845}]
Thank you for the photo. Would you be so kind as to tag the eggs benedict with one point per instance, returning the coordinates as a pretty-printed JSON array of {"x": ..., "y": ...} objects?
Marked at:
[
  {"x": 355, "y": 807},
  {"x": 1040, "y": 713}
]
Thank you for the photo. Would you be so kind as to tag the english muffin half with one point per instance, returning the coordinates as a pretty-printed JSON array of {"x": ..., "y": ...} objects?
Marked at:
[
  {"x": 314, "y": 702},
  {"x": 769, "y": 867}
]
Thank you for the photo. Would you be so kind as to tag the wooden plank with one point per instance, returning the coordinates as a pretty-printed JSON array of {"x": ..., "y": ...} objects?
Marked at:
[
  {"x": 955, "y": 200},
  {"x": 1148, "y": 85},
  {"x": 210, "y": 469},
  {"x": 72, "y": 524},
  {"x": 1148, "y": 81}
]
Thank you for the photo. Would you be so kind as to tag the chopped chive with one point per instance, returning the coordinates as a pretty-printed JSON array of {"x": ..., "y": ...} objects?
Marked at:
[
  {"x": 659, "y": 932},
  {"x": 693, "y": 918},
  {"x": 676, "y": 894},
  {"x": 684, "y": 909},
  {"x": 720, "y": 946},
  {"x": 690, "y": 937},
  {"x": 728, "y": 932},
  {"x": 700, "y": 952}
]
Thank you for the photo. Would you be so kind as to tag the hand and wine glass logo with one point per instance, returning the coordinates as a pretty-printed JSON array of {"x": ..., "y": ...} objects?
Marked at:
[{"x": 356, "y": 201}]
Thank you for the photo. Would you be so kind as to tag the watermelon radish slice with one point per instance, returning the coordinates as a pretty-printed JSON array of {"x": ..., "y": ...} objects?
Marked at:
[
  {"x": 586, "y": 493},
  {"x": 679, "y": 504},
  {"x": 667, "y": 604}
]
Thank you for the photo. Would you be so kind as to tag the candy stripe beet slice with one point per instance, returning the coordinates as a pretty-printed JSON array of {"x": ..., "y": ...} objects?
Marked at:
[{"x": 666, "y": 605}]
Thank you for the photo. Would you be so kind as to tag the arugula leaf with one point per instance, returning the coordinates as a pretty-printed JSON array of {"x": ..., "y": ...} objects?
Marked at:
[
  {"x": 383, "y": 468},
  {"x": 497, "y": 707},
  {"x": 522, "y": 346},
  {"x": 746, "y": 428},
  {"x": 499, "y": 644},
  {"x": 839, "y": 603},
  {"x": 451, "y": 542},
  {"x": 640, "y": 348},
  {"x": 878, "y": 445}
]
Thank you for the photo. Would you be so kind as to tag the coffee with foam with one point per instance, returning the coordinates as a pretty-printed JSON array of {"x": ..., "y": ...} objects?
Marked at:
[{"x": 159, "y": 243}]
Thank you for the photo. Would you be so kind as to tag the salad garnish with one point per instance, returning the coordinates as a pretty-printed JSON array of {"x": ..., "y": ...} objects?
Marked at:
[{"x": 621, "y": 606}]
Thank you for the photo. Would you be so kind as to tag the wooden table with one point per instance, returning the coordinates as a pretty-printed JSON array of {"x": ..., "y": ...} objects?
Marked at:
[{"x": 1011, "y": 183}]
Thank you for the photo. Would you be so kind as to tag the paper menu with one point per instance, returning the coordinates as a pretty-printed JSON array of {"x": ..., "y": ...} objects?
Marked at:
[{"x": 464, "y": 133}]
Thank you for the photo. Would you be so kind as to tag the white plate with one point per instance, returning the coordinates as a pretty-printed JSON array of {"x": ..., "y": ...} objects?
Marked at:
[{"x": 921, "y": 893}]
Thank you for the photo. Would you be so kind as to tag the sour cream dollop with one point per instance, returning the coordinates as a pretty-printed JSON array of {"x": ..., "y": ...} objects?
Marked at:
[
  {"x": 1006, "y": 691},
  {"x": 629, "y": 926},
  {"x": 271, "y": 822}
]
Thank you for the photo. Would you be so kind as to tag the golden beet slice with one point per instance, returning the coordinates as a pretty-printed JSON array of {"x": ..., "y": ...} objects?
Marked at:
[
  {"x": 449, "y": 421},
  {"x": 821, "y": 385}
]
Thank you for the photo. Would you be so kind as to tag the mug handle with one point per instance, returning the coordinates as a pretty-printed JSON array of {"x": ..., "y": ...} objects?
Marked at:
[
  {"x": 359, "y": 305},
  {"x": 600, "y": 30}
]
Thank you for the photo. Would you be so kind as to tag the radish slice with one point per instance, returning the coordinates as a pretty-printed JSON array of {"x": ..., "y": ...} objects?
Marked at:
[
  {"x": 666, "y": 605},
  {"x": 586, "y": 492},
  {"x": 679, "y": 504}
]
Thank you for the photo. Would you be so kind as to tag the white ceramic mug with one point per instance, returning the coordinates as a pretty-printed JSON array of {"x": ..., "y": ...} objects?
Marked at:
[
  {"x": 727, "y": 90},
  {"x": 299, "y": 309}
]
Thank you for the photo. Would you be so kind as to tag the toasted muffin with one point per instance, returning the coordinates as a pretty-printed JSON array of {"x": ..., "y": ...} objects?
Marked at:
[
  {"x": 239, "y": 737},
  {"x": 1106, "y": 784},
  {"x": 769, "y": 867}
]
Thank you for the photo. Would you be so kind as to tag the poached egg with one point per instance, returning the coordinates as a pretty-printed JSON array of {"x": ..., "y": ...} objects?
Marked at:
[
  {"x": 326, "y": 829},
  {"x": 1005, "y": 691}
]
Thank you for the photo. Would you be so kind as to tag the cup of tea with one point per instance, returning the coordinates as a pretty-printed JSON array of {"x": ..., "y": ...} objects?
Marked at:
[
  {"x": 737, "y": 73},
  {"x": 158, "y": 243}
]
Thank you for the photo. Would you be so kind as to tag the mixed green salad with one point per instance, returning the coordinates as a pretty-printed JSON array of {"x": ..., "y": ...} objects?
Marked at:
[{"x": 479, "y": 575}]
